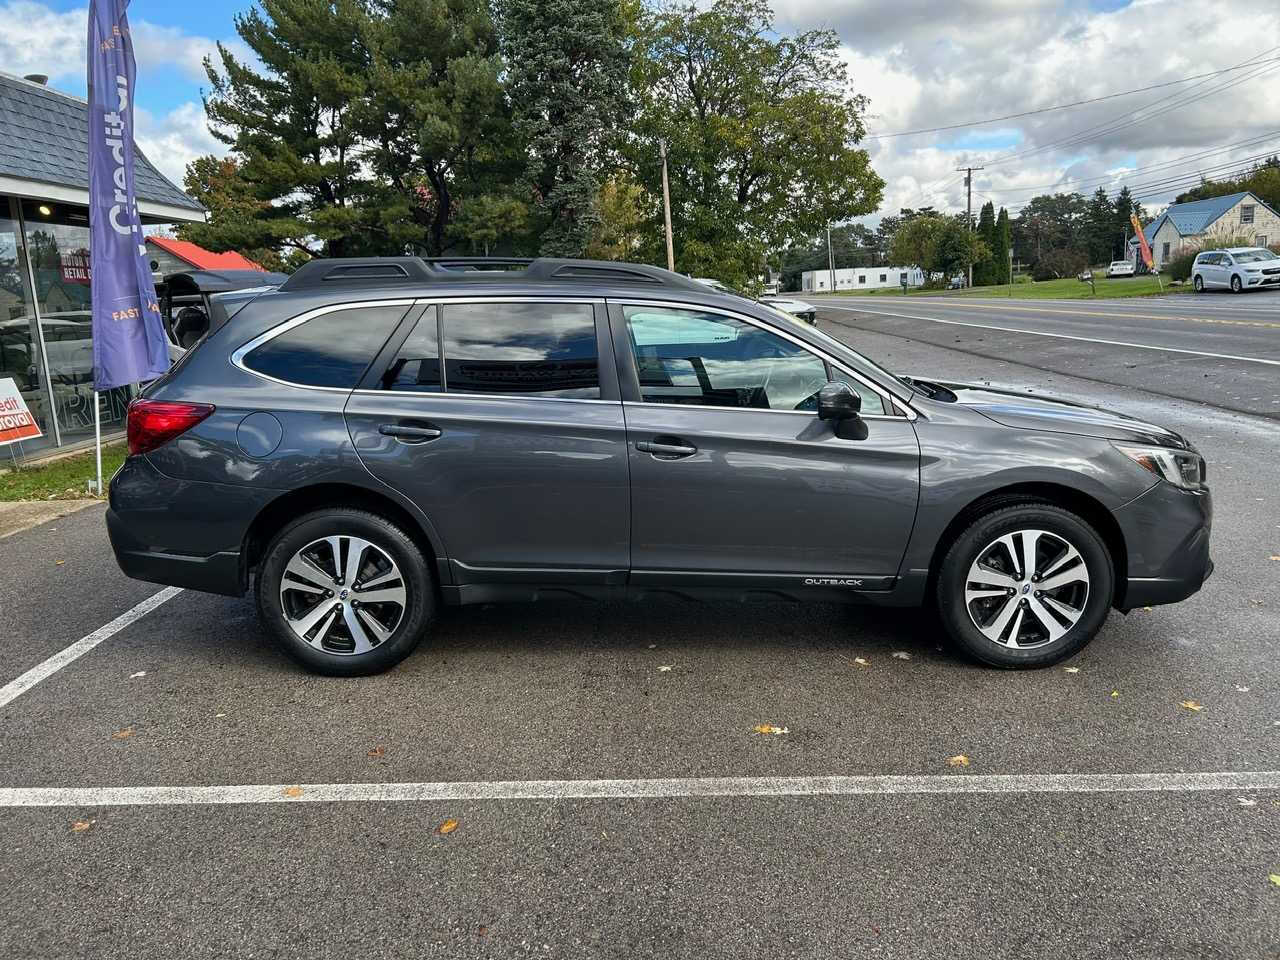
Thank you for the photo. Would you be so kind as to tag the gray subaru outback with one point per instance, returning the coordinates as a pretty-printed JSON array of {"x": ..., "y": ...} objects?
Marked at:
[{"x": 376, "y": 437}]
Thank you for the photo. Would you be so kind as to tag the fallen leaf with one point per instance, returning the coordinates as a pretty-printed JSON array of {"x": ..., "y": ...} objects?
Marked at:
[
  {"x": 768, "y": 730},
  {"x": 219, "y": 715},
  {"x": 1275, "y": 878},
  {"x": 860, "y": 661},
  {"x": 58, "y": 563},
  {"x": 1071, "y": 669},
  {"x": 665, "y": 668},
  {"x": 80, "y": 826},
  {"x": 482, "y": 930},
  {"x": 1192, "y": 705},
  {"x": 1240, "y": 689},
  {"x": 377, "y": 752},
  {"x": 124, "y": 734},
  {"x": 901, "y": 655},
  {"x": 135, "y": 676},
  {"x": 1115, "y": 694},
  {"x": 959, "y": 760},
  {"x": 447, "y": 827},
  {"x": 293, "y": 791},
  {"x": 1246, "y": 802}
]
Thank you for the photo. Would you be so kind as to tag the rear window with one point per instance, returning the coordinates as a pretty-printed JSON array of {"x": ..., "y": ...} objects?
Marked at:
[
  {"x": 529, "y": 349},
  {"x": 331, "y": 350}
]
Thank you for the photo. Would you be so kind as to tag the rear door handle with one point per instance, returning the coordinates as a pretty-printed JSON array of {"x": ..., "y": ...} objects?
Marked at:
[
  {"x": 672, "y": 450},
  {"x": 406, "y": 433}
]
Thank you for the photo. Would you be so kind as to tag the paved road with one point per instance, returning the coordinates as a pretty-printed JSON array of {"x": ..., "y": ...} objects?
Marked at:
[
  {"x": 1222, "y": 350},
  {"x": 563, "y": 691}
]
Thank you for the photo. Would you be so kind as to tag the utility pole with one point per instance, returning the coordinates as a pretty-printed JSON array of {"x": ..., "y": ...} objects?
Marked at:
[
  {"x": 968, "y": 203},
  {"x": 831, "y": 260},
  {"x": 666, "y": 207}
]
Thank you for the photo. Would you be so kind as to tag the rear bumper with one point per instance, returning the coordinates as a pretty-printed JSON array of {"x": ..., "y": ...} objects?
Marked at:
[
  {"x": 180, "y": 533},
  {"x": 1167, "y": 531}
]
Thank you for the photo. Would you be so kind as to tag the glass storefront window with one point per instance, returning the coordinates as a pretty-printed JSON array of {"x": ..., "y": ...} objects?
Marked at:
[
  {"x": 19, "y": 336},
  {"x": 58, "y": 245}
]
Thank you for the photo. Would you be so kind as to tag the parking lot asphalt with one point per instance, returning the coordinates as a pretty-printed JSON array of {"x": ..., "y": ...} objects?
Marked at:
[{"x": 555, "y": 691}]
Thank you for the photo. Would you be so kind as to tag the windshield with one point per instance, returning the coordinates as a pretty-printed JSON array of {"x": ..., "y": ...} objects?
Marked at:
[{"x": 1254, "y": 256}]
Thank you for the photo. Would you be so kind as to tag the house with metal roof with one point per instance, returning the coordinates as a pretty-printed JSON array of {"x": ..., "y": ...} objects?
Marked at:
[
  {"x": 46, "y": 344},
  {"x": 1240, "y": 215}
]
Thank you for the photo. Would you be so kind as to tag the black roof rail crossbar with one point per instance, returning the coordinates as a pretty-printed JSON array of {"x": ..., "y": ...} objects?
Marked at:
[
  {"x": 355, "y": 270},
  {"x": 391, "y": 271}
]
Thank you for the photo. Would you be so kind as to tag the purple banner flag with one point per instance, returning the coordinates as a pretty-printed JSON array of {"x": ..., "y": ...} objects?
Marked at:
[{"x": 129, "y": 342}]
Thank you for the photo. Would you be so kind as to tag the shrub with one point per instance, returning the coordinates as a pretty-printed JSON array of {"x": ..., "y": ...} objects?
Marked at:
[{"x": 1178, "y": 266}]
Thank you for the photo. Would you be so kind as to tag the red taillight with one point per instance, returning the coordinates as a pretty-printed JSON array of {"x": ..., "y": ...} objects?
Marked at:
[{"x": 155, "y": 422}]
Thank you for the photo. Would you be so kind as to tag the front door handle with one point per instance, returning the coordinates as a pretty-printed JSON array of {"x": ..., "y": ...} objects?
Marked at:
[
  {"x": 407, "y": 433},
  {"x": 667, "y": 448}
]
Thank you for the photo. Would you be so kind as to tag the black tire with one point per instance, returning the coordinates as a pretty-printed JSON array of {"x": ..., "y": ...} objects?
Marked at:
[
  {"x": 1198, "y": 284},
  {"x": 1063, "y": 525},
  {"x": 1236, "y": 285},
  {"x": 416, "y": 613}
]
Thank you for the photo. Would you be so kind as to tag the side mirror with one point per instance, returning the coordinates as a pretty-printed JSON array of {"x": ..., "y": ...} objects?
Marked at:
[{"x": 838, "y": 401}]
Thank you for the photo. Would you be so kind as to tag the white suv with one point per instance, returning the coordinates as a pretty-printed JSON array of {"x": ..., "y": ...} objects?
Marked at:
[
  {"x": 1120, "y": 268},
  {"x": 1236, "y": 269}
]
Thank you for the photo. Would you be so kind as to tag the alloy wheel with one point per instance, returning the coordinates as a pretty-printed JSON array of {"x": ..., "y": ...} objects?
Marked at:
[
  {"x": 343, "y": 595},
  {"x": 1027, "y": 589}
]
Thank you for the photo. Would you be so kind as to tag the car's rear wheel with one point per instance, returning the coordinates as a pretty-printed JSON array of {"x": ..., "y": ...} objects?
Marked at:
[
  {"x": 1198, "y": 284},
  {"x": 345, "y": 592},
  {"x": 1236, "y": 285},
  {"x": 1025, "y": 585}
]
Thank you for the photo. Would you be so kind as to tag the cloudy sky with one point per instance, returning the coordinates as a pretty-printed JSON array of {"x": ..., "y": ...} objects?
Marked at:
[{"x": 923, "y": 63}]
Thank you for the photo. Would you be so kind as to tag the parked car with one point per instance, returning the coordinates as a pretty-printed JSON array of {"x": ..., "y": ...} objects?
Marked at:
[
  {"x": 1120, "y": 268},
  {"x": 957, "y": 282},
  {"x": 1236, "y": 269},
  {"x": 379, "y": 436},
  {"x": 796, "y": 308}
]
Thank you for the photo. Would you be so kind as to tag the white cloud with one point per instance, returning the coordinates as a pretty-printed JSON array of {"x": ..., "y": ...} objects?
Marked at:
[
  {"x": 36, "y": 39},
  {"x": 174, "y": 140},
  {"x": 926, "y": 64}
]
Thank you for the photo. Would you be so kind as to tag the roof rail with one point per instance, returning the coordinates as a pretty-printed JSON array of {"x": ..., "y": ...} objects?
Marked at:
[{"x": 392, "y": 271}]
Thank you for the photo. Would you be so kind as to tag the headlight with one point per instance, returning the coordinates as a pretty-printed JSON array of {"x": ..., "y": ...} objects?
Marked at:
[{"x": 1182, "y": 468}]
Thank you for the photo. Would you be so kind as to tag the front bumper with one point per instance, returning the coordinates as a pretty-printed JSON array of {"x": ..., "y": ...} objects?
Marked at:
[{"x": 1167, "y": 532}]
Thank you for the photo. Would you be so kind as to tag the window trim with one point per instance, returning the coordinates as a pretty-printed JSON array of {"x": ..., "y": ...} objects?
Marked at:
[
  {"x": 888, "y": 400},
  {"x": 238, "y": 355}
]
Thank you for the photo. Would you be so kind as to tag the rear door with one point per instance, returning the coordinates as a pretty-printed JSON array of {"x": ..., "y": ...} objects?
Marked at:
[
  {"x": 734, "y": 480},
  {"x": 498, "y": 418}
]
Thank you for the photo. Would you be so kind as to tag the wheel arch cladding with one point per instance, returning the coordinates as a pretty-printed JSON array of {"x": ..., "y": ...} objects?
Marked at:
[
  {"x": 296, "y": 503},
  {"x": 1069, "y": 498}
]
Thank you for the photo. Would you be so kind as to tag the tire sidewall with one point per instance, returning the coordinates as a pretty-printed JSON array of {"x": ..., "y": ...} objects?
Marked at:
[
  {"x": 955, "y": 569},
  {"x": 1237, "y": 285},
  {"x": 419, "y": 610},
  {"x": 1198, "y": 284}
]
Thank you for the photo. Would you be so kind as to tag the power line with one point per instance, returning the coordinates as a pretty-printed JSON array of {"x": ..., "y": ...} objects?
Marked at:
[{"x": 1065, "y": 106}]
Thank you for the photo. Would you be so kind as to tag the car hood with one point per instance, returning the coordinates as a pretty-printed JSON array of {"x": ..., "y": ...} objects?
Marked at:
[{"x": 1027, "y": 412}]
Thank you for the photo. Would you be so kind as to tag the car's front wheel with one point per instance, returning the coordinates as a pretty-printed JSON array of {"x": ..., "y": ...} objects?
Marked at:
[
  {"x": 1025, "y": 585},
  {"x": 1236, "y": 285},
  {"x": 1198, "y": 284},
  {"x": 345, "y": 592}
]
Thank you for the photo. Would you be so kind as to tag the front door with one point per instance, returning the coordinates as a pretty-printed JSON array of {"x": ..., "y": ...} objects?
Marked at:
[
  {"x": 494, "y": 418},
  {"x": 734, "y": 479}
]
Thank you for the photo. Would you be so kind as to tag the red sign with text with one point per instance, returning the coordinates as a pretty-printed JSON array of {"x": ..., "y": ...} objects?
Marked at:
[{"x": 16, "y": 422}]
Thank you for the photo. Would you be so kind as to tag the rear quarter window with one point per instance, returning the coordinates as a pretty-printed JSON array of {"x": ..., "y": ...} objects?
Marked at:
[{"x": 331, "y": 350}]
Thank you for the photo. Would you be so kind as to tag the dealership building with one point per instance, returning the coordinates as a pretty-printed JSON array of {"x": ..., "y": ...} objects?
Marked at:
[
  {"x": 859, "y": 278},
  {"x": 46, "y": 343}
]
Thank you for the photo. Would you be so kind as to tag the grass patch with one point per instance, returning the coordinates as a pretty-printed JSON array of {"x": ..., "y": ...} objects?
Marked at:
[
  {"x": 1067, "y": 289},
  {"x": 65, "y": 479}
]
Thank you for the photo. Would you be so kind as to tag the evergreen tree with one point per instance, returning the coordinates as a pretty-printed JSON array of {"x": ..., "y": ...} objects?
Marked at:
[
  {"x": 1101, "y": 237},
  {"x": 567, "y": 67},
  {"x": 1001, "y": 247},
  {"x": 984, "y": 270},
  {"x": 1124, "y": 206}
]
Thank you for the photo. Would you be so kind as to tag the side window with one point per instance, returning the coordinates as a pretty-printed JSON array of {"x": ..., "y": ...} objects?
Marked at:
[
  {"x": 331, "y": 350},
  {"x": 530, "y": 349},
  {"x": 707, "y": 359},
  {"x": 417, "y": 363}
]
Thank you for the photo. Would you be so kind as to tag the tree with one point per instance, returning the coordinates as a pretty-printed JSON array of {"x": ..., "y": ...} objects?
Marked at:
[
  {"x": 1000, "y": 249},
  {"x": 956, "y": 247},
  {"x": 624, "y": 209},
  {"x": 985, "y": 269},
  {"x": 762, "y": 131},
  {"x": 1100, "y": 233},
  {"x": 363, "y": 122},
  {"x": 237, "y": 219},
  {"x": 567, "y": 67}
]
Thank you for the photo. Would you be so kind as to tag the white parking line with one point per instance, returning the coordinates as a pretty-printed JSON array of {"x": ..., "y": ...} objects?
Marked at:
[
  {"x": 16, "y": 688},
  {"x": 1060, "y": 336},
  {"x": 643, "y": 789}
]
